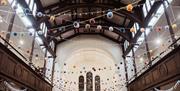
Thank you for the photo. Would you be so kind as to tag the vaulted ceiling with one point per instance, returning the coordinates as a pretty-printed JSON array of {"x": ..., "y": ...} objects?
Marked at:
[{"x": 68, "y": 11}]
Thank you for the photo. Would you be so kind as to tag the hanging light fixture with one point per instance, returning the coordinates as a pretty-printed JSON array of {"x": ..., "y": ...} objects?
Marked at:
[
  {"x": 92, "y": 21},
  {"x": 132, "y": 30},
  {"x": 111, "y": 28},
  {"x": 87, "y": 26},
  {"x": 109, "y": 14},
  {"x": 129, "y": 7},
  {"x": 3, "y": 2},
  {"x": 99, "y": 27},
  {"x": 76, "y": 24},
  {"x": 52, "y": 18},
  {"x": 142, "y": 29}
]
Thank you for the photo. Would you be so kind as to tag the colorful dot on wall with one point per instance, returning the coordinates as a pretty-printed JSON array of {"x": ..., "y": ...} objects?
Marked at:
[
  {"x": 39, "y": 14},
  {"x": 28, "y": 51},
  {"x": 158, "y": 29},
  {"x": 15, "y": 34},
  {"x": 87, "y": 26}
]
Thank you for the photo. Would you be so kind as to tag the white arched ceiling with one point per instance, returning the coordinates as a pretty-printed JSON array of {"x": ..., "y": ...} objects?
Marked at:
[{"x": 86, "y": 53}]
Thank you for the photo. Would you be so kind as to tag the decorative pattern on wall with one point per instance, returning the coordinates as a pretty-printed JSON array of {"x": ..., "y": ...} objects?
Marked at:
[
  {"x": 81, "y": 83},
  {"x": 97, "y": 83},
  {"x": 89, "y": 81}
]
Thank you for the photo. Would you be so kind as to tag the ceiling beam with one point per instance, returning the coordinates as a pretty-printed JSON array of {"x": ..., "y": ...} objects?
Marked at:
[
  {"x": 77, "y": 34},
  {"x": 116, "y": 30},
  {"x": 66, "y": 3}
]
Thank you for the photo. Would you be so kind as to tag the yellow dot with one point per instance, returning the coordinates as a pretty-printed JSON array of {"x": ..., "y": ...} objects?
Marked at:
[
  {"x": 52, "y": 18},
  {"x": 129, "y": 7},
  {"x": 174, "y": 26}
]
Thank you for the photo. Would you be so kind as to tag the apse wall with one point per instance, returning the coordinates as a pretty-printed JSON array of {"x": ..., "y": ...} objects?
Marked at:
[{"x": 89, "y": 53}]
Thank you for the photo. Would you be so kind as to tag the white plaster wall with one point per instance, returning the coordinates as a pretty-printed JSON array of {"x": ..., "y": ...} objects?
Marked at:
[{"x": 88, "y": 51}]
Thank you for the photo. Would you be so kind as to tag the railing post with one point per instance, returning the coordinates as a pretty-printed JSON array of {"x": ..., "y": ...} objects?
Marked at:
[
  {"x": 125, "y": 68},
  {"x": 169, "y": 23},
  {"x": 8, "y": 35},
  {"x": 32, "y": 49},
  {"x": 134, "y": 63},
  {"x": 147, "y": 49}
]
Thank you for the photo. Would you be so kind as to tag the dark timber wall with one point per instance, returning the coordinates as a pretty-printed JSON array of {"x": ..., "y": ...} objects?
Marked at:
[
  {"x": 162, "y": 75},
  {"x": 14, "y": 69}
]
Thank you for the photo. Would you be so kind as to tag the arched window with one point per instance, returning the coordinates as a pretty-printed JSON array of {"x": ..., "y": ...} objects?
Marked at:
[
  {"x": 81, "y": 83},
  {"x": 97, "y": 83},
  {"x": 89, "y": 81}
]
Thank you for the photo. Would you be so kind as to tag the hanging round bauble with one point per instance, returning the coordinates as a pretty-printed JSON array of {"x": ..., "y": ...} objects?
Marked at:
[
  {"x": 52, "y": 18},
  {"x": 39, "y": 14},
  {"x": 110, "y": 15},
  {"x": 111, "y": 28},
  {"x": 3, "y": 2},
  {"x": 142, "y": 29},
  {"x": 174, "y": 26},
  {"x": 132, "y": 30},
  {"x": 92, "y": 21},
  {"x": 87, "y": 26},
  {"x": 129, "y": 7},
  {"x": 99, "y": 27},
  {"x": 40, "y": 32},
  {"x": 76, "y": 24}
]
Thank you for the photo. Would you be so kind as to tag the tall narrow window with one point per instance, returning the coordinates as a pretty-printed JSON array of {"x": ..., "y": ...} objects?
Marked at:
[
  {"x": 97, "y": 83},
  {"x": 89, "y": 81},
  {"x": 81, "y": 83}
]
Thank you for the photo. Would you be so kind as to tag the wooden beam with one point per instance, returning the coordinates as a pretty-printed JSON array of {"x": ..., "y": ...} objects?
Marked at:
[{"x": 101, "y": 34}]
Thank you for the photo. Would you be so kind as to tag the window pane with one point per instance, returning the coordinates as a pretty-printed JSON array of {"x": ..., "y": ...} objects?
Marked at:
[
  {"x": 148, "y": 5},
  {"x": 34, "y": 9},
  {"x": 152, "y": 2},
  {"x": 27, "y": 1},
  {"x": 31, "y": 4},
  {"x": 144, "y": 10}
]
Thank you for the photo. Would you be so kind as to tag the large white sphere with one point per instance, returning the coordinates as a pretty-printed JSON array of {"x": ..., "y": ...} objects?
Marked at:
[
  {"x": 87, "y": 26},
  {"x": 76, "y": 24},
  {"x": 99, "y": 27},
  {"x": 110, "y": 15},
  {"x": 111, "y": 28}
]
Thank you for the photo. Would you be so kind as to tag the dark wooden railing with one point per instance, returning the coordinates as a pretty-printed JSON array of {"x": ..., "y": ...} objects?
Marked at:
[
  {"x": 13, "y": 69},
  {"x": 164, "y": 72}
]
